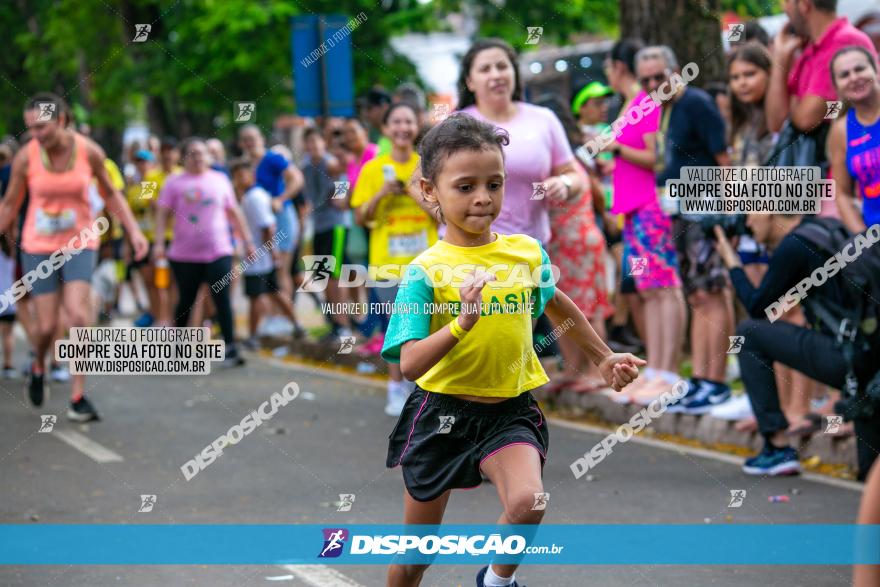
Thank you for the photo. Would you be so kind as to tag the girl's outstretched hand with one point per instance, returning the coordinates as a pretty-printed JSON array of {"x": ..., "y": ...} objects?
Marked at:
[
  {"x": 471, "y": 298},
  {"x": 620, "y": 369}
]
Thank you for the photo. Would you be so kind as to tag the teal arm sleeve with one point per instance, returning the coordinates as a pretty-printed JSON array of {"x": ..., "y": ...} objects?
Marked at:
[
  {"x": 546, "y": 289},
  {"x": 410, "y": 321}
]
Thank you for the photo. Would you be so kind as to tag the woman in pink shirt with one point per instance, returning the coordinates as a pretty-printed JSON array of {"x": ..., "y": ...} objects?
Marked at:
[
  {"x": 649, "y": 252},
  {"x": 203, "y": 204},
  {"x": 538, "y": 161}
]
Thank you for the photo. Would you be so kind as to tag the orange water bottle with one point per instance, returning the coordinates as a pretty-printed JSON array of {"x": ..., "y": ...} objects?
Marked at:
[{"x": 163, "y": 274}]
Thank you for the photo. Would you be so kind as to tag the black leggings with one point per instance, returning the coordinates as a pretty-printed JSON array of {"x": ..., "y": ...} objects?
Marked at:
[
  {"x": 815, "y": 355},
  {"x": 190, "y": 276}
]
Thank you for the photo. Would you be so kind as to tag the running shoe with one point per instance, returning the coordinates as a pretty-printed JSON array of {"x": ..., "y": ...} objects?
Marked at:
[
  {"x": 694, "y": 388},
  {"x": 82, "y": 410},
  {"x": 773, "y": 461},
  {"x": 397, "y": 395},
  {"x": 251, "y": 344},
  {"x": 710, "y": 395},
  {"x": 144, "y": 321},
  {"x": 36, "y": 389},
  {"x": 59, "y": 373},
  {"x": 482, "y": 575},
  {"x": 10, "y": 373},
  {"x": 233, "y": 359},
  {"x": 736, "y": 408}
]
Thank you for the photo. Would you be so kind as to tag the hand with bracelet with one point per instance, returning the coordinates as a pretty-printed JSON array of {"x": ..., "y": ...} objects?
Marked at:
[{"x": 471, "y": 301}]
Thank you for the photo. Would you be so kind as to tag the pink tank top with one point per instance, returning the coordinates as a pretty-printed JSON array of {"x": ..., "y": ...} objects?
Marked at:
[{"x": 58, "y": 203}]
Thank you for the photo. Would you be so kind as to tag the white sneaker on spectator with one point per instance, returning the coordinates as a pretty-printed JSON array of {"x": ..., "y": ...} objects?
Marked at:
[
  {"x": 398, "y": 391},
  {"x": 738, "y": 407},
  {"x": 60, "y": 373}
]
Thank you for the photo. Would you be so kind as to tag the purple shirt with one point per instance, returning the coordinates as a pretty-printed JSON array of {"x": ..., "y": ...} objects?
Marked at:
[
  {"x": 537, "y": 145},
  {"x": 198, "y": 204}
]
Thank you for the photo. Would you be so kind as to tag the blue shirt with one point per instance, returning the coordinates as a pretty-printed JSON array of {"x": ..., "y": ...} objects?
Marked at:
[
  {"x": 863, "y": 164},
  {"x": 695, "y": 134},
  {"x": 270, "y": 173}
]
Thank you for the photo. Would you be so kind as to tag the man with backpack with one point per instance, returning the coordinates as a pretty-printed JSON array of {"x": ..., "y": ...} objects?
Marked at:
[{"x": 836, "y": 276}]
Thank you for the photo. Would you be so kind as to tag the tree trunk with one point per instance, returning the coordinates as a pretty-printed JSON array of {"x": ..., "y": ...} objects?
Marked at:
[{"x": 690, "y": 27}]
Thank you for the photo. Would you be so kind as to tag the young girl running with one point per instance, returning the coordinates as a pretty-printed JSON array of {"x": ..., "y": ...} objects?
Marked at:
[{"x": 477, "y": 365}]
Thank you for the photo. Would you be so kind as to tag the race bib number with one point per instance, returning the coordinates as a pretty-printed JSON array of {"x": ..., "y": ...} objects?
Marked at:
[
  {"x": 48, "y": 223},
  {"x": 404, "y": 245}
]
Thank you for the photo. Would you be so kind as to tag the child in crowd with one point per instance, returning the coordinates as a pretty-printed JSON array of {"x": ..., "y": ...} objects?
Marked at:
[
  {"x": 399, "y": 228},
  {"x": 330, "y": 217},
  {"x": 260, "y": 284},
  {"x": 473, "y": 358}
]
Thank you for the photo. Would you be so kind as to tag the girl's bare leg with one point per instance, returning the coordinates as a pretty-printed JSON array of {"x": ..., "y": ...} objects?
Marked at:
[{"x": 416, "y": 512}]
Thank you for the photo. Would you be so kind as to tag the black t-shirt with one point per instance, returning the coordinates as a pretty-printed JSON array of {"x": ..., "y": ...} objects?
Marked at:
[
  {"x": 695, "y": 134},
  {"x": 794, "y": 259}
]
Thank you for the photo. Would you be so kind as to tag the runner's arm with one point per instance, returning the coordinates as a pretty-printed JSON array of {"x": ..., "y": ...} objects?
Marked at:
[
  {"x": 843, "y": 183},
  {"x": 293, "y": 183},
  {"x": 115, "y": 202},
  {"x": 14, "y": 195}
]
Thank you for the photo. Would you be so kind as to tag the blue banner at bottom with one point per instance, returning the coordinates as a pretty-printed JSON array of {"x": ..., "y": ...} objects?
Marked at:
[{"x": 358, "y": 544}]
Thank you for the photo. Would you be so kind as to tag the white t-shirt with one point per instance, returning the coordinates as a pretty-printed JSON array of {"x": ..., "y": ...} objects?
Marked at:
[{"x": 257, "y": 207}]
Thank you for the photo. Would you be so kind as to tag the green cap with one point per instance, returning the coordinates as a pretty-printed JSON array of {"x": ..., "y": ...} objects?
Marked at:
[{"x": 591, "y": 90}]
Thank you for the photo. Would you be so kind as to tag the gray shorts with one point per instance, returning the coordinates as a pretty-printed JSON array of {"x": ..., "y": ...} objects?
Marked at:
[{"x": 79, "y": 268}]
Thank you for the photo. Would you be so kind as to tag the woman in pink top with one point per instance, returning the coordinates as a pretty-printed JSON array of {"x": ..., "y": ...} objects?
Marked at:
[
  {"x": 538, "y": 161},
  {"x": 60, "y": 237},
  {"x": 203, "y": 204},
  {"x": 649, "y": 252}
]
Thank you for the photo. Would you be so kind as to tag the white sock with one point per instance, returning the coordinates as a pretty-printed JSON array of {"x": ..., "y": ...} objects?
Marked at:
[
  {"x": 493, "y": 580},
  {"x": 649, "y": 373},
  {"x": 668, "y": 376}
]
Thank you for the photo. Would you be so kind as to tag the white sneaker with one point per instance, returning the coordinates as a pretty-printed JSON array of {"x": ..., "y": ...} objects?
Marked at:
[
  {"x": 397, "y": 395},
  {"x": 738, "y": 407},
  {"x": 60, "y": 373}
]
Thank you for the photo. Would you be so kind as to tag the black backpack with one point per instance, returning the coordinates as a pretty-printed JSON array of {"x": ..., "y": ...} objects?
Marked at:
[{"x": 848, "y": 304}]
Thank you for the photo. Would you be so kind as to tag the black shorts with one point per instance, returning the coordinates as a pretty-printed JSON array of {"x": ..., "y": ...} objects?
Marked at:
[
  {"x": 433, "y": 461},
  {"x": 257, "y": 285}
]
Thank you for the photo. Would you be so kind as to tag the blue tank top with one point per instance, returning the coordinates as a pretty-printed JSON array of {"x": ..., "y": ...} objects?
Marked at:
[{"x": 863, "y": 163}]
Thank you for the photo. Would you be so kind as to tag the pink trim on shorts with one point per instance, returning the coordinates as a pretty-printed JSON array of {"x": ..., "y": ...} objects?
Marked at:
[
  {"x": 540, "y": 415},
  {"x": 512, "y": 444},
  {"x": 413, "y": 428}
]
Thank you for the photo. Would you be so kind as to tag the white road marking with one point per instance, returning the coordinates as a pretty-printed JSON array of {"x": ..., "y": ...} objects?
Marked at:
[
  {"x": 87, "y": 446},
  {"x": 708, "y": 454},
  {"x": 321, "y": 576},
  {"x": 701, "y": 452}
]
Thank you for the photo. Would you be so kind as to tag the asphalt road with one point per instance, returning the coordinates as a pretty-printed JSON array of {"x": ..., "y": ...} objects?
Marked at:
[{"x": 332, "y": 440}]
